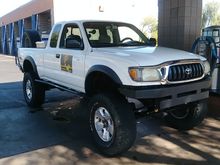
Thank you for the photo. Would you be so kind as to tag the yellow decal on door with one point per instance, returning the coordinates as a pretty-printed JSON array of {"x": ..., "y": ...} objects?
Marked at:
[{"x": 66, "y": 63}]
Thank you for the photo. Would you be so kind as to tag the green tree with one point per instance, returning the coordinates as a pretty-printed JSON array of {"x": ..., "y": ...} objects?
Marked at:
[
  {"x": 149, "y": 27},
  {"x": 210, "y": 14}
]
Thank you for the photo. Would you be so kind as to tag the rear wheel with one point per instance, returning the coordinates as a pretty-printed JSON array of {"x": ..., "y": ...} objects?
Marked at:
[
  {"x": 187, "y": 117},
  {"x": 112, "y": 123},
  {"x": 34, "y": 93}
]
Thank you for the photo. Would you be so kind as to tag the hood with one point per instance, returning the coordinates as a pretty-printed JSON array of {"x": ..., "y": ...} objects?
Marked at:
[{"x": 148, "y": 56}]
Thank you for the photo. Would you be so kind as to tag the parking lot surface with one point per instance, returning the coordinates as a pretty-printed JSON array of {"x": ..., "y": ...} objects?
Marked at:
[{"x": 58, "y": 132}]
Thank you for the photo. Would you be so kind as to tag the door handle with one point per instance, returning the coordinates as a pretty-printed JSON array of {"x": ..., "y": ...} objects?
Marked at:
[{"x": 57, "y": 55}]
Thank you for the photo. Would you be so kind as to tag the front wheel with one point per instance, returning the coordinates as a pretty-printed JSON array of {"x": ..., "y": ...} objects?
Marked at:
[
  {"x": 188, "y": 116},
  {"x": 34, "y": 93},
  {"x": 112, "y": 123}
]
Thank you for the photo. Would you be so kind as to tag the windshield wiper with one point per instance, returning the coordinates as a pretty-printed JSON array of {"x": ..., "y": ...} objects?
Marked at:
[{"x": 133, "y": 43}]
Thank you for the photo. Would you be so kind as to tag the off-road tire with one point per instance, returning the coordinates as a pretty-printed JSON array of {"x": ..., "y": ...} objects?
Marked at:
[
  {"x": 195, "y": 114},
  {"x": 123, "y": 119},
  {"x": 37, "y": 96}
]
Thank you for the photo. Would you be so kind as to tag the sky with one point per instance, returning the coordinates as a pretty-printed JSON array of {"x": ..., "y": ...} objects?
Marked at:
[
  {"x": 8, "y": 5},
  {"x": 206, "y": 1}
]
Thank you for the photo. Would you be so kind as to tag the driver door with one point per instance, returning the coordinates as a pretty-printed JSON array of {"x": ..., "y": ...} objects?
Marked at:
[{"x": 72, "y": 57}]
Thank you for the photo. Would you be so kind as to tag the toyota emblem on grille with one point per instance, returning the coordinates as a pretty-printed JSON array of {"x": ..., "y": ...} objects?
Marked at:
[{"x": 188, "y": 71}]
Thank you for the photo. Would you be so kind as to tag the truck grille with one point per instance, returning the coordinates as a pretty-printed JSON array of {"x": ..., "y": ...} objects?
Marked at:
[{"x": 185, "y": 72}]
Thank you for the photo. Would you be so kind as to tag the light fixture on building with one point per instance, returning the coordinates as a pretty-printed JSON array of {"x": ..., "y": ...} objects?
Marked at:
[{"x": 101, "y": 8}]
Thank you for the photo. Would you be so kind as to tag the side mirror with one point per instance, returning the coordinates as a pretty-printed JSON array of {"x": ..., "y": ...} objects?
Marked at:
[
  {"x": 40, "y": 44},
  {"x": 72, "y": 43},
  {"x": 153, "y": 42}
]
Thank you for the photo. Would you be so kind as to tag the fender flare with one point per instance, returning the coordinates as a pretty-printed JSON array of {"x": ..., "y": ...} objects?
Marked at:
[
  {"x": 106, "y": 70},
  {"x": 31, "y": 60}
]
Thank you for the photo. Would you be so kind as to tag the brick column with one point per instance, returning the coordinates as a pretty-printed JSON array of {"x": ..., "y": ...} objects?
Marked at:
[{"x": 179, "y": 23}]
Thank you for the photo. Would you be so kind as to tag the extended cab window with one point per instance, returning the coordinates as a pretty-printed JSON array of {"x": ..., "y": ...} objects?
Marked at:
[
  {"x": 55, "y": 35},
  {"x": 71, "y": 37}
]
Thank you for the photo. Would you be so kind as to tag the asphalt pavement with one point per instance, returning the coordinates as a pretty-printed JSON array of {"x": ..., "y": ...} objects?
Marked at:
[{"x": 58, "y": 133}]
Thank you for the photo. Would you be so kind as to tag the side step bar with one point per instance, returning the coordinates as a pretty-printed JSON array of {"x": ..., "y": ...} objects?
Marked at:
[{"x": 60, "y": 87}]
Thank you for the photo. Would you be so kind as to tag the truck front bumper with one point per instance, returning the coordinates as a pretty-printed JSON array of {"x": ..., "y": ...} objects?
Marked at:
[{"x": 170, "y": 95}]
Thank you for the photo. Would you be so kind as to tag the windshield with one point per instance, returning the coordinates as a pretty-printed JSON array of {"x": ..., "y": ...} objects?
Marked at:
[{"x": 113, "y": 34}]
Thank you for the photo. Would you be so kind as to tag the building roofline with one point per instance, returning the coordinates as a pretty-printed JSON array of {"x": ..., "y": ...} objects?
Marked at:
[{"x": 31, "y": 8}]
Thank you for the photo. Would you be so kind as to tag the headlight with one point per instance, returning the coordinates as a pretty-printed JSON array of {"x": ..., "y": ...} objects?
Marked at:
[
  {"x": 206, "y": 67},
  {"x": 144, "y": 74}
]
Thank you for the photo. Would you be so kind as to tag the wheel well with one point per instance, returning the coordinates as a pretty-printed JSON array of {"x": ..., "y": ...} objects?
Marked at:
[
  {"x": 27, "y": 66},
  {"x": 97, "y": 82}
]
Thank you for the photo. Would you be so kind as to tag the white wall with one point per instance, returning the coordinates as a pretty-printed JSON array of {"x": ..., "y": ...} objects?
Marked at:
[
  {"x": 65, "y": 10},
  {"x": 132, "y": 11}
]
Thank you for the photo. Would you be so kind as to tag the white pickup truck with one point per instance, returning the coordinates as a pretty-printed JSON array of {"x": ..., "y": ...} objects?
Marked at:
[{"x": 118, "y": 69}]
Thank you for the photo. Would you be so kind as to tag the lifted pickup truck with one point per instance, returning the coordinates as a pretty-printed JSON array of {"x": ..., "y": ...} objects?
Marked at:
[{"x": 116, "y": 67}]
